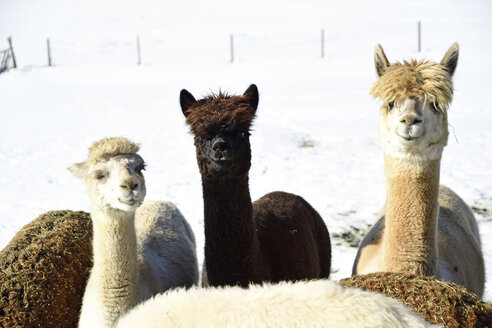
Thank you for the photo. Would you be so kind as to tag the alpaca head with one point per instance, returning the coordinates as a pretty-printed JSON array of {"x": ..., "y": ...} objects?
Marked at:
[
  {"x": 416, "y": 96},
  {"x": 113, "y": 175},
  {"x": 221, "y": 125}
]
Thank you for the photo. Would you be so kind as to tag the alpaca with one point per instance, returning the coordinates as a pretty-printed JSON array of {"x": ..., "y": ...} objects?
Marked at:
[
  {"x": 278, "y": 237},
  {"x": 137, "y": 252},
  {"x": 424, "y": 228},
  {"x": 315, "y": 303},
  {"x": 436, "y": 301}
]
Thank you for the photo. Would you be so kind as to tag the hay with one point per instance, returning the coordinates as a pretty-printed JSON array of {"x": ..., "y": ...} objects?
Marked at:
[
  {"x": 44, "y": 270},
  {"x": 438, "y": 302}
]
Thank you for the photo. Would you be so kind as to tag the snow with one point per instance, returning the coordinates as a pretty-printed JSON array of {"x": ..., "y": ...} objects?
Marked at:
[{"x": 316, "y": 130}]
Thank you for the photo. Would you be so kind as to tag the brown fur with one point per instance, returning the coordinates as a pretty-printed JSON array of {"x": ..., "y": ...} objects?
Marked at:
[
  {"x": 438, "y": 302},
  {"x": 219, "y": 112},
  {"x": 44, "y": 270},
  {"x": 278, "y": 237}
]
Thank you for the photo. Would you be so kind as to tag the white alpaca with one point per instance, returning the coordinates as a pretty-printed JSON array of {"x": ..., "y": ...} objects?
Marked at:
[
  {"x": 137, "y": 252},
  {"x": 306, "y": 304},
  {"x": 424, "y": 228}
]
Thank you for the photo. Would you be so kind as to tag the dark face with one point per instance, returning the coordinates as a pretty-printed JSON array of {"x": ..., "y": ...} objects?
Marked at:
[
  {"x": 225, "y": 154},
  {"x": 221, "y": 125}
]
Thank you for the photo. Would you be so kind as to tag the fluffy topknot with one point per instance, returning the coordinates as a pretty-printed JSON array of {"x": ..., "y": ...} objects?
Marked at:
[
  {"x": 108, "y": 147},
  {"x": 220, "y": 112},
  {"x": 428, "y": 80}
]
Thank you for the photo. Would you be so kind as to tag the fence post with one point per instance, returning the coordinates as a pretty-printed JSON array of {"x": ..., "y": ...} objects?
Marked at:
[
  {"x": 138, "y": 51},
  {"x": 322, "y": 43},
  {"x": 232, "y": 48},
  {"x": 419, "y": 32},
  {"x": 9, "y": 39},
  {"x": 49, "y": 51}
]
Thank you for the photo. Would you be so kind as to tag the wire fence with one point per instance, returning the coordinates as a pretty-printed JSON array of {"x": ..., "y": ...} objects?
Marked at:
[
  {"x": 183, "y": 47},
  {"x": 4, "y": 60}
]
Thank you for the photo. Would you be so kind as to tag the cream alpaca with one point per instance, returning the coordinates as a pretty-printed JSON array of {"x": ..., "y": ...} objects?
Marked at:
[
  {"x": 137, "y": 252},
  {"x": 316, "y": 303},
  {"x": 424, "y": 228}
]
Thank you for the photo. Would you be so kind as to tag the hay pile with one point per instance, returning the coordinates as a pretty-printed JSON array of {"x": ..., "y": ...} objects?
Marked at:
[
  {"x": 438, "y": 302},
  {"x": 44, "y": 270}
]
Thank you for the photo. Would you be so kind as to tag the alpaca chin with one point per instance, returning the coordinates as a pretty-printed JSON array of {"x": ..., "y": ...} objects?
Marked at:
[
  {"x": 221, "y": 166},
  {"x": 126, "y": 207}
]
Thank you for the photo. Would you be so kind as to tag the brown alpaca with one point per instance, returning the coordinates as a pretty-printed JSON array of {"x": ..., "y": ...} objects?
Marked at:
[
  {"x": 278, "y": 237},
  {"x": 424, "y": 228}
]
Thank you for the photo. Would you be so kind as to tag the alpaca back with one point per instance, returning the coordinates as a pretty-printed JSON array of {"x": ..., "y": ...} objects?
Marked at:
[
  {"x": 457, "y": 223},
  {"x": 316, "y": 303},
  {"x": 166, "y": 248},
  {"x": 458, "y": 242},
  {"x": 294, "y": 240}
]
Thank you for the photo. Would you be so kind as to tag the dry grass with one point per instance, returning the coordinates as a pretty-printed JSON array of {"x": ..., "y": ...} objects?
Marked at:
[
  {"x": 44, "y": 270},
  {"x": 438, "y": 302}
]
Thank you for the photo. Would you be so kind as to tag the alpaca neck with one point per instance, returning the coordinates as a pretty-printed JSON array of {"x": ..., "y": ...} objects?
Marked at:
[
  {"x": 231, "y": 244},
  {"x": 115, "y": 271},
  {"x": 410, "y": 233}
]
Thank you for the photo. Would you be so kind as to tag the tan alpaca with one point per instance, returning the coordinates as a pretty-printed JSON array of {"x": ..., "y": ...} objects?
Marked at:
[
  {"x": 137, "y": 253},
  {"x": 424, "y": 228}
]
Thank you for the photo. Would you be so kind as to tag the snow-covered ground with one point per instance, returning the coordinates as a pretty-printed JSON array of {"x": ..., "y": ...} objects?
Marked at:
[{"x": 316, "y": 130}]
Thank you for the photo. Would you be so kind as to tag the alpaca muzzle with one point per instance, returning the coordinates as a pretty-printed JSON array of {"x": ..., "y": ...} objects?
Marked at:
[{"x": 220, "y": 154}]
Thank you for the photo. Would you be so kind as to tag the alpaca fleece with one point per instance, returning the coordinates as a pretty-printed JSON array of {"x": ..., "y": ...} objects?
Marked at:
[
  {"x": 438, "y": 302},
  {"x": 278, "y": 237},
  {"x": 429, "y": 80},
  {"x": 219, "y": 112},
  {"x": 107, "y": 147},
  {"x": 302, "y": 304},
  {"x": 44, "y": 269},
  {"x": 424, "y": 228},
  {"x": 139, "y": 248}
]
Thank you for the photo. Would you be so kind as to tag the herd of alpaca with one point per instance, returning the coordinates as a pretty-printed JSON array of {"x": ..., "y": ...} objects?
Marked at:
[{"x": 267, "y": 262}]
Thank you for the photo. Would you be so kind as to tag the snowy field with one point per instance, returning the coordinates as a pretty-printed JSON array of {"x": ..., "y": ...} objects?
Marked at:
[{"x": 316, "y": 130}]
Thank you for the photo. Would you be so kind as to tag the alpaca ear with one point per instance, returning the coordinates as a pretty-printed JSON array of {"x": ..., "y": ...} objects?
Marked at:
[
  {"x": 79, "y": 169},
  {"x": 186, "y": 99},
  {"x": 450, "y": 59},
  {"x": 252, "y": 96},
  {"x": 380, "y": 60}
]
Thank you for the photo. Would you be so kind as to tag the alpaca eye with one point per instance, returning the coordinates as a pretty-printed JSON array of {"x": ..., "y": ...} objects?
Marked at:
[
  {"x": 435, "y": 107},
  {"x": 202, "y": 141},
  {"x": 98, "y": 175},
  {"x": 391, "y": 105},
  {"x": 140, "y": 168},
  {"x": 243, "y": 134}
]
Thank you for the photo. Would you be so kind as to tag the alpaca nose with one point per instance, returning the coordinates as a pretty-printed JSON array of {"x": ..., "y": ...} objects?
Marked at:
[
  {"x": 129, "y": 185},
  {"x": 410, "y": 119},
  {"x": 220, "y": 144}
]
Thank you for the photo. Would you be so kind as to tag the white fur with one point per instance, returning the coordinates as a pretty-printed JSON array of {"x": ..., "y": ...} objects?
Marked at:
[
  {"x": 317, "y": 303},
  {"x": 427, "y": 136},
  {"x": 137, "y": 252}
]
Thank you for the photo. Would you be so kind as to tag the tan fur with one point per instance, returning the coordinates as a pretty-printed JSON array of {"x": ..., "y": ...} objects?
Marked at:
[
  {"x": 107, "y": 147},
  {"x": 419, "y": 79},
  {"x": 412, "y": 225},
  {"x": 426, "y": 228}
]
